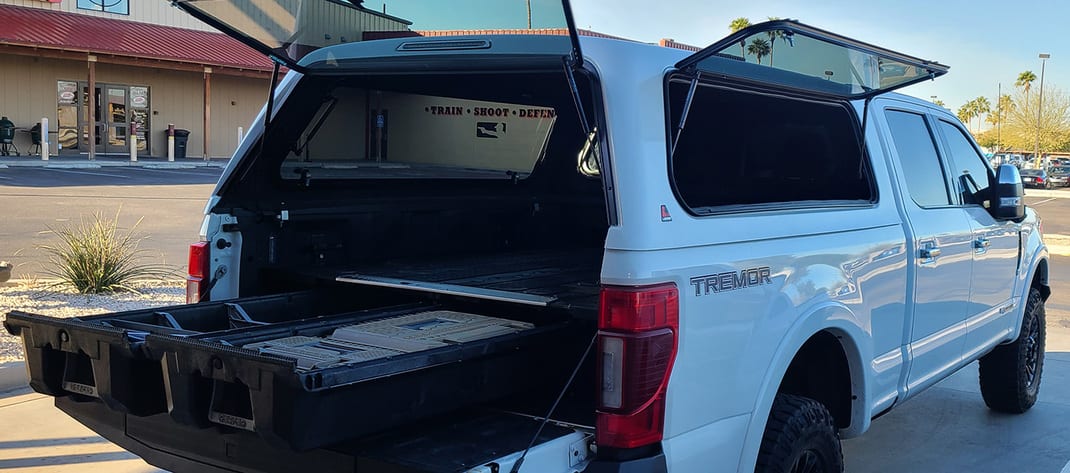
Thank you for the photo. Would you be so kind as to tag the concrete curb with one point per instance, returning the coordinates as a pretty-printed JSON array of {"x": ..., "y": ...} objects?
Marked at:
[
  {"x": 172, "y": 166},
  {"x": 13, "y": 376},
  {"x": 1055, "y": 193},
  {"x": 73, "y": 166}
]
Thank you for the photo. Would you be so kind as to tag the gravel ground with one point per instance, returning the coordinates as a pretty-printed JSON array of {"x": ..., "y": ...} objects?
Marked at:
[{"x": 42, "y": 297}]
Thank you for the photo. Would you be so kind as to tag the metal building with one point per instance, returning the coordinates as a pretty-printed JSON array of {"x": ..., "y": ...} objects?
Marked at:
[{"x": 102, "y": 70}]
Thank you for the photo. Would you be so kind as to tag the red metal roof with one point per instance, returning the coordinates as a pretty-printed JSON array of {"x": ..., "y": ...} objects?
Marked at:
[
  {"x": 42, "y": 28},
  {"x": 671, "y": 43}
]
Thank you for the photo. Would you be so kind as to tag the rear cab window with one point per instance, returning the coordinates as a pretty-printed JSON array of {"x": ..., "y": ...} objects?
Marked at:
[{"x": 361, "y": 132}]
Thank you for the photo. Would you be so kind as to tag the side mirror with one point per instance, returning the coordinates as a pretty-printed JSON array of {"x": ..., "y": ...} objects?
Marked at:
[{"x": 1008, "y": 202}]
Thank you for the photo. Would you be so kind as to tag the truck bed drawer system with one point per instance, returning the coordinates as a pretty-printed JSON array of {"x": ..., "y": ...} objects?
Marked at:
[{"x": 301, "y": 370}]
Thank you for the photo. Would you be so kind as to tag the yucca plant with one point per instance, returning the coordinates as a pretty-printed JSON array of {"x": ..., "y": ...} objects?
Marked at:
[{"x": 96, "y": 256}]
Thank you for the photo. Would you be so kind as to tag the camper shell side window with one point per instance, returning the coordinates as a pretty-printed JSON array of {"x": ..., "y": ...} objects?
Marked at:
[{"x": 745, "y": 149}]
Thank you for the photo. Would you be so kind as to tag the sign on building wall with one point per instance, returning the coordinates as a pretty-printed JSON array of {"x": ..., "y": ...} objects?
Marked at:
[
  {"x": 139, "y": 97},
  {"x": 68, "y": 92},
  {"x": 121, "y": 7}
]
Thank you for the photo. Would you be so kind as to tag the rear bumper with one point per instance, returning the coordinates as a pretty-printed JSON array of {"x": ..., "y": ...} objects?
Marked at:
[{"x": 653, "y": 464}]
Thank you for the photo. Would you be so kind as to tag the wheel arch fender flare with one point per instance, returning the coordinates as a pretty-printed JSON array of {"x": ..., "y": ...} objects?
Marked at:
[
  {"x": 853, "y": 333},
  {"x": 1039, "y": 258}
]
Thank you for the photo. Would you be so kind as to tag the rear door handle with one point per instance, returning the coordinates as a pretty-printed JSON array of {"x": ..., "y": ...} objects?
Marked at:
[{"x": 981, "y": 244}]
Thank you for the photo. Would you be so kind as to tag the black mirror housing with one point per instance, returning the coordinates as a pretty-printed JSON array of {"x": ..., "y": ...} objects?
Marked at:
[{"x": 1008, "y": 200}]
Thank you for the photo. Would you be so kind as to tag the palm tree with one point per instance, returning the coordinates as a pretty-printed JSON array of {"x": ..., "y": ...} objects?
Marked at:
[
  {"x": 966, "y": 112},
  {"x": 981, "y": 106},
  {"x": 1025, "y": 80},
  {"x": 759, "y": 47},
  {"x": 1004, "y": 106},
  {"x": 939, "y": 103},
  {"x": 736, "y": 25},
  {"x": 773, "y": 36}
]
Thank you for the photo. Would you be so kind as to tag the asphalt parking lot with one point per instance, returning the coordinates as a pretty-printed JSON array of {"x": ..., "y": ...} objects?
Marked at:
[
  {"x": 71, "y": 176},
  {"x": 169, "y": 203},
  {"x": 945, "y": 429}
]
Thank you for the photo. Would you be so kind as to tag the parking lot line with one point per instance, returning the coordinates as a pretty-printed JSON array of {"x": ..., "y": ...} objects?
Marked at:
[
  {"x": 188, "y": 172},
  {"x": 90, "y": 173}
]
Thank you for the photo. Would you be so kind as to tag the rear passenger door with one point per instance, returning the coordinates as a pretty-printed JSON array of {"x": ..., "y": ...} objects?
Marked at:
[
  {"x": 941, "y": 255},
  {"x": 995, "y": 243}
]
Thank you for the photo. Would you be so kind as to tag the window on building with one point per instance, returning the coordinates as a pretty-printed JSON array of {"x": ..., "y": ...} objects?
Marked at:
[{"x": 121, "y": 7}]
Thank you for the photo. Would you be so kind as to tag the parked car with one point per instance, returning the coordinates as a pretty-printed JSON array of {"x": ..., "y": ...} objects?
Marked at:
[
  {"x": 1036, "y": 178},
  {"x": 619, "y": 230},
  {"x": 1060, "y": 176}
]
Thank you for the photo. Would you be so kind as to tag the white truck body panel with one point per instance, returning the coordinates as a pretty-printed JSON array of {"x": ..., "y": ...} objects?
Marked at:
[{"x": 904, "y": 322}]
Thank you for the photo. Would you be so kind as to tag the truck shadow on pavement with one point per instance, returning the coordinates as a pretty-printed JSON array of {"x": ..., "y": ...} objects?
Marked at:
[
  {"x": 56, "y": 442},
  {"x": 66, "y": 459},
  {"x": 949, "y": 428}
]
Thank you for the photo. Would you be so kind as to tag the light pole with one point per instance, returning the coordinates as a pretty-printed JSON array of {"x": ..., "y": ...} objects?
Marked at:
[
  {"x": 933, "y": 97},
  {"x": 1040, "y": 109}
]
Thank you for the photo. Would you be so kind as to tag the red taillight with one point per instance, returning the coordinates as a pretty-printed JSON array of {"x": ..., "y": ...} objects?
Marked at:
[
  {"x": 197, "y": 280},
  {"x": 637, "y": 341},
  {"x": 1040, "y": 180}
]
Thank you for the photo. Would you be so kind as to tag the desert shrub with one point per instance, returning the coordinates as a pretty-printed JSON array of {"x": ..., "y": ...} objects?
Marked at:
[{"x": 96, "y": 256}]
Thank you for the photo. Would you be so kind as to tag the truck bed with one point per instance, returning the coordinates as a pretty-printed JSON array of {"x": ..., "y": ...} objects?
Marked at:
[{"x": 203, "y": 366}]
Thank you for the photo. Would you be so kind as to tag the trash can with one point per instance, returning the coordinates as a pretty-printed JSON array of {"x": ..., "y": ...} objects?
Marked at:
[
  {"x": 7, "y": 137},
  {"x": 181, "y": 137}
]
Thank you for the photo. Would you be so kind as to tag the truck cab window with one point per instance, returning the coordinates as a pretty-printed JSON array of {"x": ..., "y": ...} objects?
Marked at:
[
  {"x": 921, "y": 165},
  {"x": 964, "y": 161}
]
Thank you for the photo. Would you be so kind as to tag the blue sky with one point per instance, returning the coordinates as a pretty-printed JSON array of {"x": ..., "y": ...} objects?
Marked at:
[{"x": 985, "y": 42}]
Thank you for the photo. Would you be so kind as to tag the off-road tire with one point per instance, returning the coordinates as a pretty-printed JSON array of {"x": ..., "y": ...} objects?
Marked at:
[
  {"x": 1010, "y": 374},
  {"x": 800, "y": 437}
]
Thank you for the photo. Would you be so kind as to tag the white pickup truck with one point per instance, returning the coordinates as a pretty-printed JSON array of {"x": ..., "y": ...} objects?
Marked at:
[{"x": 491, "y": 250}]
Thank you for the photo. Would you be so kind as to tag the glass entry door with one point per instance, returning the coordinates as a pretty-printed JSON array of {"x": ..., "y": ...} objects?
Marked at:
[
  {"x": 115, "y": 120},
  {"x": 115, "y": 109},
  {"x": 108, "y": 117}
]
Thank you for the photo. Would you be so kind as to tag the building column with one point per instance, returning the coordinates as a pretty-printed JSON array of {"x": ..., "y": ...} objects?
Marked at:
[
  {"x": 91, "y": 100},
  {"x": 207, "y": 110}
]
